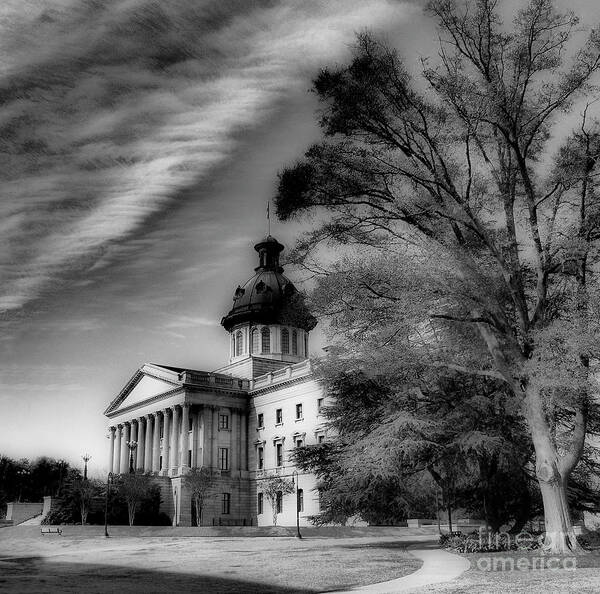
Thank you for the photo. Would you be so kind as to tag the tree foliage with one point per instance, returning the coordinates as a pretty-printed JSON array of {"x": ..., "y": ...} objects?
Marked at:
[
  {"x": 200, "y": 482},
  {"x": 274, "y": 487},
  {"x": 492, "y": 229}
]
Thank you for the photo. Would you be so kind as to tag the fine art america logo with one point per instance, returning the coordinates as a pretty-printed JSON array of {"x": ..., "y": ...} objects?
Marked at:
[{"x": 524, "y": 542}]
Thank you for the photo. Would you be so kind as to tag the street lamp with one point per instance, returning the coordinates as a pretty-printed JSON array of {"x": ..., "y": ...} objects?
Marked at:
[
  {"x": 108, "y": 482},
  {"x": 86, "y": 458},
  {"x": 295, "y": 482},
  {"x": 131, "y": 445}
]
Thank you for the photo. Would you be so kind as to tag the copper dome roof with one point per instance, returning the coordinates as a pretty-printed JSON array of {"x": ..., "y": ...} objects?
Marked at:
[{"x": 269, "y": 297}]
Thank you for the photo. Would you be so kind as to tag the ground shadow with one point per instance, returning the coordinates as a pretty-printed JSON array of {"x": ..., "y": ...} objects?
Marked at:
[{"x": 29, "y": 575}]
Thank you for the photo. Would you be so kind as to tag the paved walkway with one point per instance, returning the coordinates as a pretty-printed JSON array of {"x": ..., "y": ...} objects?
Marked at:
[{"x": 438, "y": 566}]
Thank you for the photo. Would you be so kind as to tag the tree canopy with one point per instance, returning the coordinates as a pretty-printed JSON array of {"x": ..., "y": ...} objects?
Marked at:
[{"x": 483, "y": 231}]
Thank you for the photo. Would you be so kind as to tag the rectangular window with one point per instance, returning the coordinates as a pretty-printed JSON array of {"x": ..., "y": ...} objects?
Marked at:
[
  {"x": 223, "y": 421},
  {"x": 261, "y": 420},
  {"x": 259, "y": 506},
  {"x": 279, "y": 502},
  {"x": 226, "y": 503},
  {"x": 261, "y": 458},
  {"x": 279, "y": 449},
  {"x": 160, "y": 463},
  {"x": 279, "y": 416},
  {"x": 224, "y": 458},
  {"x": 162, "y": 430},
  {"x": 320, "y": 404},
  {"x": 298, "y": 411},
  {"x": 300, "y": 501},
  {"x": 190, "y": 458},
  {"x": 299, "y": 443},
  {"x": 320, "y": 438}
]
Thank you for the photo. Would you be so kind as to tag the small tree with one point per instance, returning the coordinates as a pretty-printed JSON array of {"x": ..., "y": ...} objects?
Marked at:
[
  {"x": 83, "y": 491},
  {"x": 134, "y": 488},
  {"x": 274, "y": 487},
  {"x": 199, "y": 481}
]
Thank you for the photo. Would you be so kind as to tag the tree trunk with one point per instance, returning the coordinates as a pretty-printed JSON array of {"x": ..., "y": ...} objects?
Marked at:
[
  {"x": 449, "y": 508},
  {"x": 552, "y": 474}
]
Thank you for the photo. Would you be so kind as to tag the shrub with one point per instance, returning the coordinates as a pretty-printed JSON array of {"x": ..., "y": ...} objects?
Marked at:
[
  {"x": 590, "y": 540},
  {"x": 484, "y": 543}
]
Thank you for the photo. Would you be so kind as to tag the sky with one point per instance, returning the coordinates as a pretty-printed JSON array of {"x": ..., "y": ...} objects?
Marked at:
[{"x": 139, "y": 143}]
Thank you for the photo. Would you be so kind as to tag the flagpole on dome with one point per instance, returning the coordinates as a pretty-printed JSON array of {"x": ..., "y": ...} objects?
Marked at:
[{"x": 268, "y": 218}]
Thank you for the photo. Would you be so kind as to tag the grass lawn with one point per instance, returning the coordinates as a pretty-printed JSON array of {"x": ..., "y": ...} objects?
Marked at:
[
  {"x": 179, "y": 564},
  {"x": 521, "y": 571}
]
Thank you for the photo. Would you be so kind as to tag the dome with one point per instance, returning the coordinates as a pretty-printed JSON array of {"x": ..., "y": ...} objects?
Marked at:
[{"x": 269, "y": 297}]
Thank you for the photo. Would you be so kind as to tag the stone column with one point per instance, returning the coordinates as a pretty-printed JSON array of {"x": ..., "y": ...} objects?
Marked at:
[
  {"x": 185, "y": 435},
  {"x": 141, "y": 448},
  {"x": 234, "y": 460},
  {"x": 117, "y": 452},
  {"x": 215, "y": 434},
  {"x": 207, "y": 441},
  {"x": 156, "y": 442},
  {"x": 195, "y": 431},
  {"x": 244, "y": 440},
  {"x": 166, "y": 448},
  {"x": 148, "y": 445},
  {"x": 176, "y": 437},
  {"x": 111, "y": 448},
  {"x": 125, "y": 449}
]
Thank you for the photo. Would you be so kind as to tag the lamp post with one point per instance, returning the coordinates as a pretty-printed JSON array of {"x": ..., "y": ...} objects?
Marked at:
[
  {"x": 295, "y": 482},
  {"x": 86, "y": 458},
  {"x": 108, "y": 482},
  {"x": 131, "y": 445}
]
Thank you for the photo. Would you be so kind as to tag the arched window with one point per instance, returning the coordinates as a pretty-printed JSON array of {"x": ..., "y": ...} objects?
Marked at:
[
  {"x": 255, "y": 341},
  {"x": 294, "y": 342},
  {"x": 266, "y": 340},
  {"x": 285, "y": 341},
  {"x": 239, "y": 343}
]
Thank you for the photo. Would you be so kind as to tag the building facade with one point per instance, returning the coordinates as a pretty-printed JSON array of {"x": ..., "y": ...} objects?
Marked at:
[{"x": 240, "y": 421}]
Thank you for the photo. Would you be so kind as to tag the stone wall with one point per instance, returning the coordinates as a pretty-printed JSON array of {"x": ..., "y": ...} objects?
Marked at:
[{"x": 19, "y": 512}]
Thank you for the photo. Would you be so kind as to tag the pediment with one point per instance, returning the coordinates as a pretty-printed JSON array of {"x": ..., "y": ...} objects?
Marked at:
[{"x": 141, "y": 388}]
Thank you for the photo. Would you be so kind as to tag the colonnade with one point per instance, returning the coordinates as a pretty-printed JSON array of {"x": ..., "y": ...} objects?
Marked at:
[{"x": 164, "y": 439}]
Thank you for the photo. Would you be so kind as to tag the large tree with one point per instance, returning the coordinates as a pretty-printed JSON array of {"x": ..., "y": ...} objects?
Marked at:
[{"x": 457, "y": 178}]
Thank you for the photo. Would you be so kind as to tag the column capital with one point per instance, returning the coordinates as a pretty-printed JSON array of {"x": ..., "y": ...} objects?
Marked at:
[
  {"x": 112, "y": 429},
  {"x": 119, "y": 425},
  {"x": 185, "y": 405}
]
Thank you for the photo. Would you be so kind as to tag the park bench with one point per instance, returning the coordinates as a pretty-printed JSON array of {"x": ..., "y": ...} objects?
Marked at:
[{"x": 50, "y": 531}]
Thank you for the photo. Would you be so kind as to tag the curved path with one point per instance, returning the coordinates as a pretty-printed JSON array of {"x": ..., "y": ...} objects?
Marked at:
[{"x": 438, "y": 566}]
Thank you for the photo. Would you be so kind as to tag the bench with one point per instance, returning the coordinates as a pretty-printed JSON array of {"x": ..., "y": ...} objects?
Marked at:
[{"x": 50, "y": 531}]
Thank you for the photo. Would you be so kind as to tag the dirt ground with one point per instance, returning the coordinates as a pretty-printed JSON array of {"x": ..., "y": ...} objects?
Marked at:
[{"x": 34, "y": 563}]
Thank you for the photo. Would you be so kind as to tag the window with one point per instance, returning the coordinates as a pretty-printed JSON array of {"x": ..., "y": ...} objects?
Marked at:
[
  {"x": 320, "y": 438},
  {"x": 285, "y": 341},
  {"x": 223, "y": 421},
  {"x": 255, "y": 341},
  {"x": 239, "y": 343},
  {"x": 306, "y": 344},
  {"x": 300, "y": 501},
  {"x": 320, "y": 404},
  {"x": 279, "y": 502},
  {"x": 298, "y": 411},
  {"x": 259, "y": 504},
  {"x": 299, "y": 443},
  {"x": 261, "y": 420},
  {"x": 260, "y": 452},
  {"x": 279, "y": 416},
  {"x": 162, "y": 429},
  {"x": 294, "y": 342},
  {"x": 279, "y": 451},
  {"x": 190, "y": 458},
  {"x": 160, "y": 466},
  {"x": 224, "y": 458},
  {"x": 265, "y": 335},
  {"x": 226, "y": 503}
]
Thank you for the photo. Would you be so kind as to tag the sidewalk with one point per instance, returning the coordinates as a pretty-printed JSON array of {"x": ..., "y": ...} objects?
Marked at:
[{"x": 438, "y": 566}]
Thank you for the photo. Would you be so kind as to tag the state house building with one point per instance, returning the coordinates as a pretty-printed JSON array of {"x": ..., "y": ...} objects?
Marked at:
[{"x": 241, "y": 421}]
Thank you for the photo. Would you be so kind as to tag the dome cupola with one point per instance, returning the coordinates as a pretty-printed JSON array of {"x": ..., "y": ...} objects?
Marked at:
[{"x": 268, "y": 297}]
